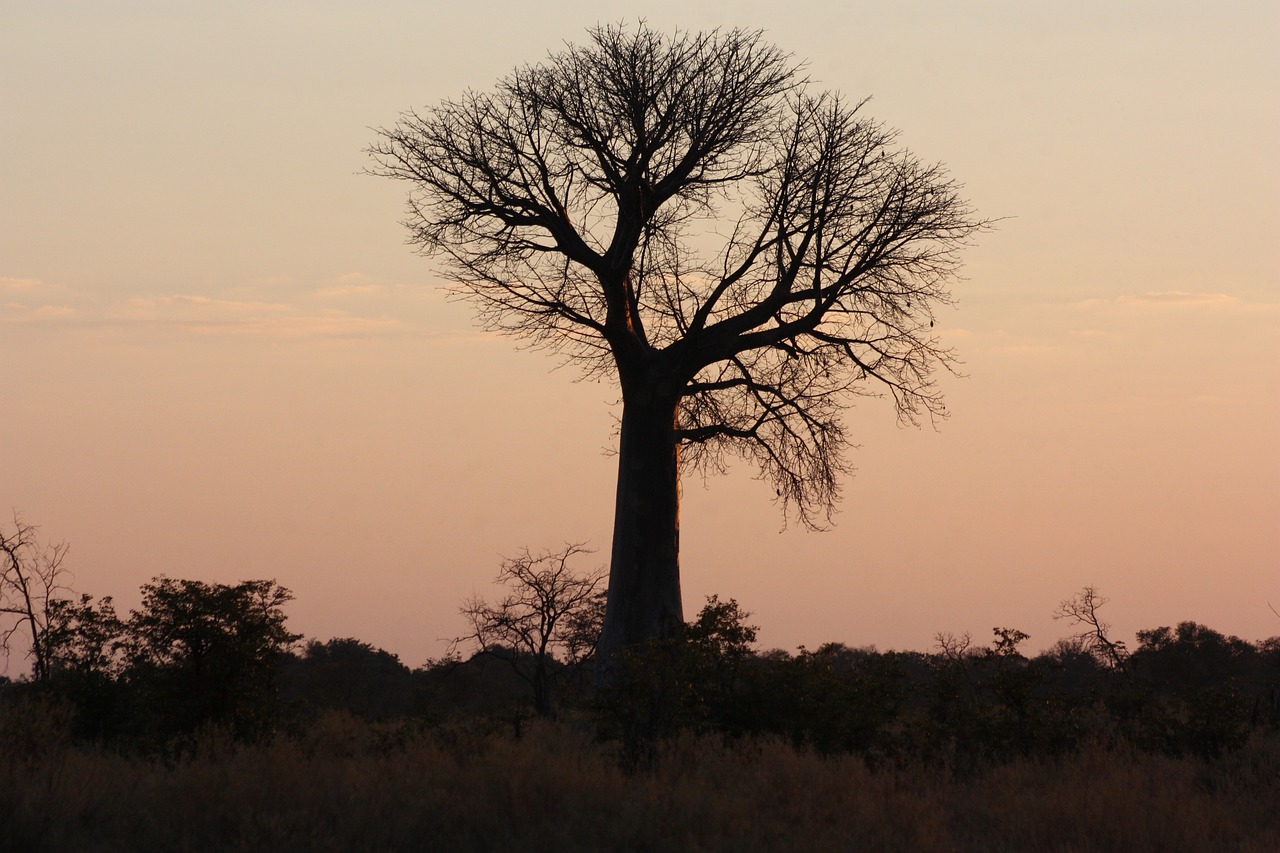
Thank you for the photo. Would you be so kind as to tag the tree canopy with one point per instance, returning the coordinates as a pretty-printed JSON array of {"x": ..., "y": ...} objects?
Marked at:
[{"x": 681, "y": 214}]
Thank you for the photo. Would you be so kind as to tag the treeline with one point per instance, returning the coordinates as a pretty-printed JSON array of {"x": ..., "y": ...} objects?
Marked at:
[
  {"x": 197, "y": 656},
  {"x": 1184, "y": 690}
]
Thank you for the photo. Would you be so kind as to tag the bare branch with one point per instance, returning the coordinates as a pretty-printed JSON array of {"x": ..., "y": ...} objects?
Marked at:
[
  {"x": 1082, "y": 609},
  {"x": 548, "y": 610},
  {"x": 31, "y": 577}
]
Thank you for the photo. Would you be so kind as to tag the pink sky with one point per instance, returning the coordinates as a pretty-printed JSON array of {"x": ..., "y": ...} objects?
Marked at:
[{"x": 219, "y": 360}]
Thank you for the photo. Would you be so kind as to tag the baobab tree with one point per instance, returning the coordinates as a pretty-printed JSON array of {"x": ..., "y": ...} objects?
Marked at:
[{"x": 680, "y": 214}]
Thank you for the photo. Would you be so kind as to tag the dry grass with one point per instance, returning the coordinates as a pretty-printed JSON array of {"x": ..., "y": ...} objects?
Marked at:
[{"x": 347, "y": 787}]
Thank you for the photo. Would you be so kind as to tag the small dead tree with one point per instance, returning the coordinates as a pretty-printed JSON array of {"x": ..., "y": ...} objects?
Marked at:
[
  {"x": 548, "y": 610},
  {"x": 1082, "y": 609},
  {"x": 31, "y": 574},
  {"x": 952, "y": 648}
]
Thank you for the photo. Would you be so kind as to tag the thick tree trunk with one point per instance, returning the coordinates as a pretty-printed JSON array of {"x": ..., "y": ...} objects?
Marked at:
[
  {"x": 541, "y": 687},
  {"x": 644, "y": 572}
]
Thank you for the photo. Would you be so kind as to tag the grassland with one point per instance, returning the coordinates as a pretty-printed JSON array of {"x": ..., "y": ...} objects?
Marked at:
[{"x": 344, "y": 785}]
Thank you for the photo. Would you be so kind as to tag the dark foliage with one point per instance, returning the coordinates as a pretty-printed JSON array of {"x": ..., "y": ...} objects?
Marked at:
[
  {"x": 193, "y": 655},
  {"x": 207, "y": 654},
  {"x": 1197, "y": 691},
  {"x": 348, "y": 675},
  {"x": 198, "y": 655},
  {"x": 1187, "y": 690},
  {"x": 550, "y": 615}
]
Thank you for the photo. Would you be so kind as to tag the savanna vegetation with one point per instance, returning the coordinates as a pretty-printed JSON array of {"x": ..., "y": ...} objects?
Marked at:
[
  {"x": 199, "y": 722},
  {"x": 741, "y": 255}
]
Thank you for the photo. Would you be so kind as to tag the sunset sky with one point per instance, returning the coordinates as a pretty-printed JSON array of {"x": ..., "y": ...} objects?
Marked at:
[{"x": 220, "y": 360}]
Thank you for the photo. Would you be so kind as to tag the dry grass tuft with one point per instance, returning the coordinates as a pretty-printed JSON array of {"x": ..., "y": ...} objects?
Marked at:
[{"x": 348, "y": 786}]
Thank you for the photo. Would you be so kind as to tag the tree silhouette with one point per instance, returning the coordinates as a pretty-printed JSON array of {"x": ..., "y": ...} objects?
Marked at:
[
  {"x": 1095, "y": 639},
  {"x": 548, "y": 608},
  {"x": 346, "y": 674},
  {"x": 31, "y": 577},
  {"x": 680, "y": 214},
  {"x": 199, "y": 653}
]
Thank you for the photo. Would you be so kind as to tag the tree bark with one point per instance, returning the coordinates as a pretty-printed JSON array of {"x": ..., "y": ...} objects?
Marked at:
[
  {"x": 644, "y": 571},
  {"x": 541, "y": 686}
]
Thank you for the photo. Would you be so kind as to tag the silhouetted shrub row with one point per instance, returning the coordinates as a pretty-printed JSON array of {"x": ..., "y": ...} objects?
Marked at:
[{"x": 197, "y": 655}]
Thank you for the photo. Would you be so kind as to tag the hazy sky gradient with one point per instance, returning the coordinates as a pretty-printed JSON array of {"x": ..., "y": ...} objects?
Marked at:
[{"x": 219, "y": 360}]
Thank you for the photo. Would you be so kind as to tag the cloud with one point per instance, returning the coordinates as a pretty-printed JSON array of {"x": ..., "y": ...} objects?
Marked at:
[
  {"x": 305, "y": 327},
  {"x": 1170, "y": 305},
  {"x": 355, "y": 288},
  {"x": 16, "y": 312},
  {"x": 372, "y": 310},
  {"x": 203, "y": 304},
  {"x": 207, "y": 316},
  {"x": 10, "y": 283},
  {"x": 1089, "y": 333},
  {"x": 358, "y": 284},
  {"x": 1179, "y": 298},
  {"x": 271, "y": 281},
  {"x": 1027, "y": 349}
]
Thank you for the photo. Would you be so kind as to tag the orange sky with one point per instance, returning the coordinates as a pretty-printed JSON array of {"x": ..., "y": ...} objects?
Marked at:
[{"x": 219, "y": 360}]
